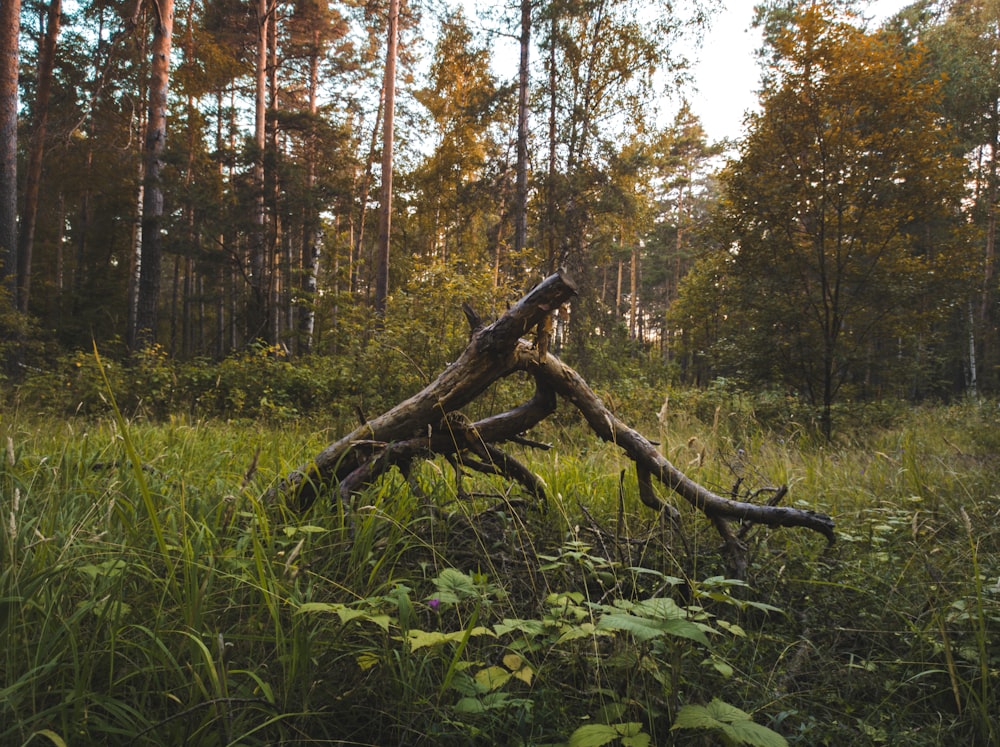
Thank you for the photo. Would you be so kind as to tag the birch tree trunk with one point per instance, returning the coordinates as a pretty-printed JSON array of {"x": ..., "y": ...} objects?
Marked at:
[{"x": 311, "y": 223}]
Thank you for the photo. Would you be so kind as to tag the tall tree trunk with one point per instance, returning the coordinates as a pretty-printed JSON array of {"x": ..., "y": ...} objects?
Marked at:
[
  {"x": 550, "y": 192},
  {"x": 257, "y": 303},
  {"x": 152, "y": 202},
  {"x": 310, "y": 226},
  {"x": 56, "y": 316},
  {"x": 10, "y": 29},
  {"x": 618, "y": 288},
  {"x": 46, "y": 62},
  {"x": 989, "y": 262},
  {"x": 273, "y": 254},
  {"x": 521, "y": 177},
  {"x": 193, "y": 234},
  {"x": 972, "y": 384},
  {"x": 385, "y": 214},
  {"x": 221, "y": 341},
  {"x": 135, "y": 236},
  {"x": 82, "y": 228},
  {"x": 366, "y": 181},
  {"x": 633, "y": 307}
]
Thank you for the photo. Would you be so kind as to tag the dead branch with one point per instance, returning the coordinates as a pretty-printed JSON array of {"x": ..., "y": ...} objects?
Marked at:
[{"x": 430, "y": 423}]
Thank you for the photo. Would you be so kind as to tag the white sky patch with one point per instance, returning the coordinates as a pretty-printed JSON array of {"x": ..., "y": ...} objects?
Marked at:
[{"x": 726, "y": 73}]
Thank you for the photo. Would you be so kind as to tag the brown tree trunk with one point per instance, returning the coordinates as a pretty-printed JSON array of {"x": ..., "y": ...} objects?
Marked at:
[
  {"x": 256, "y": 316},
  {"x": 366, "y": 180},
  {"x": 633, "y": 301},
  {"x": 10, "y": 28},
  {"x": 273, "y": 250},
  {"x": 152, "y": 202},
  {"x": 521, "y": 168},
  {"x": 550, "y": 191},
  {"x": 385, "y": 214},
  {"x": 46, "y": 63}
]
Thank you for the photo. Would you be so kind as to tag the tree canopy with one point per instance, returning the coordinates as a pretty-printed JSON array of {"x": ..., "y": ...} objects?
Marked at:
[
  {"x": 851, "y": 252},
  {"x": 840, "y": 216}
]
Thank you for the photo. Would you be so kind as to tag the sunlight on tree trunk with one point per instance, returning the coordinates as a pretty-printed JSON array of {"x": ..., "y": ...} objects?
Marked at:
[{"x": 152, "y": 203}]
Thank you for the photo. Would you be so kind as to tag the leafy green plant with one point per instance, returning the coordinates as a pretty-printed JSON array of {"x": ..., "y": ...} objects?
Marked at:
[{"x": 732, "y": 725}]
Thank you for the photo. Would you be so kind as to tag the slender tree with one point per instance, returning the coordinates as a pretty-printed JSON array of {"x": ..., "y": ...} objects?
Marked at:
[
  {"x": 40, "y": 110},
  {"x": 521, "y": 168},
  {"x": 388, "y": 121},
  {"x": 152, "y": 205},
  {"x": 257, "y": 303},
  {"x": 10, "y": 25}
]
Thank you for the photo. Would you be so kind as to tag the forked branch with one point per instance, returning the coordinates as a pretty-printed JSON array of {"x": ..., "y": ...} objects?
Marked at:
[{"x": 430, "y": 423}]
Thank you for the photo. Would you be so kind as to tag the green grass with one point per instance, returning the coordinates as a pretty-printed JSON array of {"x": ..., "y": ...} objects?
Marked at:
[{"x": 149, "y": 597}]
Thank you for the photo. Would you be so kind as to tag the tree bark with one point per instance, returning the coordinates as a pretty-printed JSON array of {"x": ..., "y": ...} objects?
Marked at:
[
  {"x": 152, "y": 207},
  {"x": 10, "y": 28},
  {"x": 385, "y": 213},
  {"x": 257, "y": 311},
  {"x": 429, "y": 423},
  {"x": 46, "y": 63},
  {"x": 521, "y": 169},
  {"x": 366, "y": 180},
  {"x": 311, "y": 221}
]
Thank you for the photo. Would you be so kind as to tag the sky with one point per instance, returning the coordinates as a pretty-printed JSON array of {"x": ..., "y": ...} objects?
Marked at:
[{"x": 726, "y": 75}]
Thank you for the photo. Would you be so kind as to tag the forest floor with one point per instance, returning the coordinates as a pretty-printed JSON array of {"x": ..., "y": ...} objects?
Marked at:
[{"x": 148, "y": 596}]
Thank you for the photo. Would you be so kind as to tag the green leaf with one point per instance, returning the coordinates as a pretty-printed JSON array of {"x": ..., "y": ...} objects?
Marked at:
[
  {"x": 530, "y": 628},
  {"x": 290, "y": 531},
  {"x": 752, "y": 733},
  {"x": 645, "y": 629},
  {"x": 50, "y": 735},
  {"x": 721, "y": 667},
  {"x": 109, "y": 568},
  {"x": 471, "y": 706},
  {"x": 345, "y": 613},
  {"x": 593, "y": 735},
  {"x": 762, "y": 606},
  {"x": 421, "y": 639},
  {"x": 638, "y": 740},
  {"x": 492, "y": 678},
  {"x": 660, "y": 607},
  {"x": 731, "y": 721},
  {"x": 454, "y": 586},
  {"x": 572, "y": 632}
]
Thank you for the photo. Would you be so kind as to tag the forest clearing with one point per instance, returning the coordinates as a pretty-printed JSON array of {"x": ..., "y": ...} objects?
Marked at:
[
  {"x": 151, "y": 596},
  {"x": 710, "y": 457}
]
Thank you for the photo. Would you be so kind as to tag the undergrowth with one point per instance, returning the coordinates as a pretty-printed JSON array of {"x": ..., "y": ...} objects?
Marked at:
[{"x": 149, "y": 597}]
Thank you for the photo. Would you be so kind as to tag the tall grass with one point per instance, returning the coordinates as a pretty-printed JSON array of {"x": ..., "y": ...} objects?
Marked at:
[{"x": 149, "y": 597}]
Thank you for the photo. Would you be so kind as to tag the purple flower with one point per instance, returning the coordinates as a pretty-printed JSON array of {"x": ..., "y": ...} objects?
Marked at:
[{"x": 434, "y": 603}]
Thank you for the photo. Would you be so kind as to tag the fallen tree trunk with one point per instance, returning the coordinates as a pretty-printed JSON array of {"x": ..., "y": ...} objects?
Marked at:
[{"x": 430, "y": 423}]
